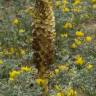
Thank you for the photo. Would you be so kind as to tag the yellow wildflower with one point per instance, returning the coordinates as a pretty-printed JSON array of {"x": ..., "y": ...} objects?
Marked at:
[
  {"x": 71, "y": 92},
  {"x": 41, "y": 82},
  {"x": 89, "y": 66},
  {"x": 57, "y": 87},
  {"x": 68, "y": 25},
  {"x": 13, "y": 74},
  {"x": 73, "y": 46},
  {"x": 22, "y": 51},
  {"x": 78, "y": 42},
  {"x": 51, "y": 74},
  {"x": 64, "y": 35},
  {"x": 1, "y": 61},
  {"x": 21, "y": 30},
  {"x": 66, "y": 9},
  {"x": 26, "y": 68},
  {"x": 60, "y": 94},
  {"x": 94, "y": 1},
  {"x": 79, "y": 60},
  {"x": 58, "y": 3},
  {"x": 56, "y": 71},
  {"x": 88, "y": 39},
  {"x": 11, "y": 50},
  {"x": 79, "y": 34},
  {"x": 63, "y": 67},
  {"x": 15, "y": 21},
  {"x": 65, "y": 2},
  {"x": 76, "y": 2}
]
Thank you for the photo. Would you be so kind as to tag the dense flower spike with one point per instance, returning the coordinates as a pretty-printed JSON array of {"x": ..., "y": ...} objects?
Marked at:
[{"x": 43, "y": 35}]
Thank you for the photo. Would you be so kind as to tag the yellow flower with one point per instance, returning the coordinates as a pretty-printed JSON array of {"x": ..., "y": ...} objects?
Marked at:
[
  {"x": 71, "y": 92},
  {"x": 51, "y": 74},
  {"x": 76, "y": 2},
  {"x": 13, "y": 74},
  {"x": 65, "y": 2},
  {"x": 73, "y": 46},
  {"x": 78, "y": 42},
  {"x": 63, "y": 67},
  {"x": 60, "y": 94},
  {"x": 66, "y": 9},
  {"x": 57, "y": 87},
  {"x": 56, "y": 71},
  {"x": 15, "y": 21},
  {"x": 89, "y": 66},
  {"x": 79, "y": 60},
  {"x": 25, "y": 68},
  {"x": 58, "y": 3},
  {"x": 88, "y": 39},
  {"x": 21, "y": 30},
  {"x": 64, "y": 35},
  {"x": 41, "y": 82},
  {"x": 1, "y": 61},
  {"x": 94, "y": 1},
  {"x": 11, "y": 50},
  {"x": 79, "y": 34},
  {"x": 68, "y": 25},
  {"x": 22, "y": 51}
]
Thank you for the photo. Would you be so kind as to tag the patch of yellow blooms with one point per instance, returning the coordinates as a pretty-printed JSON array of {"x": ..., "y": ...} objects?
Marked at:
[
  {"x": 41, "y": 81},
  {"x": 21, "y": 30},
  {"x": 76, "y": 2},
  {"x": 22, "y": 51},
  {"x": 60, "y": 94},
  {"x": 71, "y": 92},
  {"x": 15, "y": 21},
  {"x": 73, "y": 45},
  {"x": 14, "y": 73},
  {"x": 1, "y": 61},
  {"x": 93, "y": 1},
  {"x": 79, "y": 60},
  {"x": 64, "y": 35},
  {"x": 88, "y": 39},
  {"x": 11, "y": 50},
  {"x": 58, "y": 3},
  {"x": 89, "y": 66},
  {"x": 63, "y": 67},
  {"x": 59, "y": 69},
  {"x": 79, "y": 33},
  {"x": 78, "y": 42},
  {"x": 68, "y": 25},
  {"x": 57, "y": 87},
  {"x": 26, "y": 69},
  {"x": 65, "y": 9}
]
